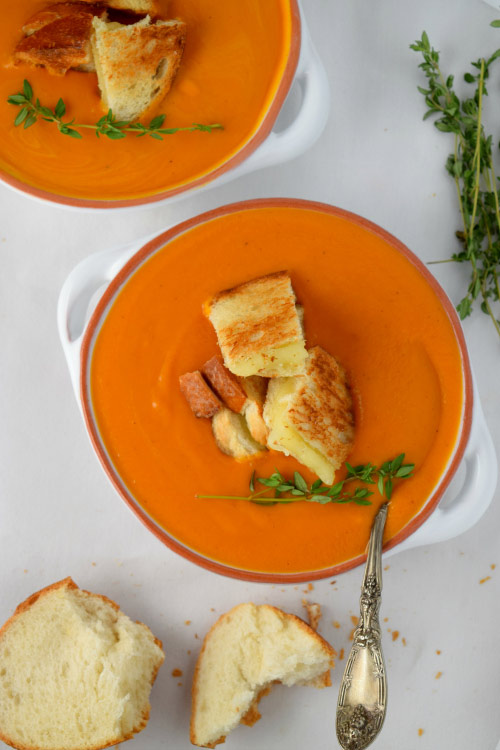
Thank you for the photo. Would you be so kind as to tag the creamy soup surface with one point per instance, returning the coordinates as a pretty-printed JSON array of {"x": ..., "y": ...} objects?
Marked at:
[{"x": 364, "y": 302}]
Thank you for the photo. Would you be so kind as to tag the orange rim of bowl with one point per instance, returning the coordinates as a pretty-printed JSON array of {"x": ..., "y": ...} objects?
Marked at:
[
  {"x": 243, "y": 153},
  {"x": 157, "y": 243}
]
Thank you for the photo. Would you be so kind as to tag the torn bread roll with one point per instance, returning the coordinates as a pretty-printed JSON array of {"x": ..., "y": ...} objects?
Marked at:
[
  {"x": 248, "y": 649},
  {"x": 75, "y": 672}
]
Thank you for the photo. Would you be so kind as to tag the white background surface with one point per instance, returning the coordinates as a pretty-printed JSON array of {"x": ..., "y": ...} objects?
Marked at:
[{"x": 59, "y": 516}]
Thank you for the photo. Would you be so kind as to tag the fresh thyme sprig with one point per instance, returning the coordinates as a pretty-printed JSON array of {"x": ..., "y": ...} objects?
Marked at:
[
  {"x": 297, "y": 490},
  {"x": 471, "y": 166},
  {"x": 31, "y": 111}
]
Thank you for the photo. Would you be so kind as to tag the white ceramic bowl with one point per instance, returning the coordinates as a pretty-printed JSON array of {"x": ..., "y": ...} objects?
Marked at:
[
  {"x": 267, "y": 147},
  {"x": 472, "y": 468}
]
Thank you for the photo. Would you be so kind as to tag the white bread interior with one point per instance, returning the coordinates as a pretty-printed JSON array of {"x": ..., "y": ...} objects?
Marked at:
[
  {"x": 248, "y": 649},
  {"x": 136, "y": 63},
  {"x": 75, "y": 672},
  {"x": 233, "y": 436},
  {"x": 310, "y": 416},
  {"x": 255, "y": 388},
  {"x": 134, "y": 6}
]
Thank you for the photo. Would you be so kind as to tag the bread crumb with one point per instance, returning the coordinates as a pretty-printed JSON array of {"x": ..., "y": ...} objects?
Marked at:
[
  {"x": 336, "y": 624},
  {"x": 403, "y": 641},
  {"x": 187, "y": 622},
  {"x": 179, "y": 684},
  {"x": 438, "y": 651},
  {"x": 176, "y": 672},
  {"x": 332, "y": 583},
  {"x": 93, "y": 564},
  {"x": 395, "y": 635},
  {"x": 386, "y": 619},
  {"x": 25, "y": 570},
  {"x": 483, "y": 580},
  {"x": 420, "y": 732},
  {"x": 341, "y": 654},
  {"x": 438, "y": 675},
  {"x": 493, "y": 566},
  {"x": 309, "y": 588},
  {"x": 196, "y": 636},
  {"x": 387, "y": 567},
  {"x": 313, "y": 613},
  {"x": 354, "y": 619},
  {"x": 212, "y": 609}
]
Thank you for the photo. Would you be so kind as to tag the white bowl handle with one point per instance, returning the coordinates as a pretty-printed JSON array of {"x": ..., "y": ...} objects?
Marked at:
[
  {"x": 460, "y": 513},
  {"x": 309, "y": 122},
  {"x": 79, "y": 290}
]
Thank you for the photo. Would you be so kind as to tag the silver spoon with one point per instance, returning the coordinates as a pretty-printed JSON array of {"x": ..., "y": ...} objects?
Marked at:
[{"x": 363, "y": 690}]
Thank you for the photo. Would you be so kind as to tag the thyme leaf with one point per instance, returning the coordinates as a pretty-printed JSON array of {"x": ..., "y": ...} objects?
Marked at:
[
  {"x": 295, "y": 490},
  {"x": 31, "y": 111},
  {"x": 471, "y": 166}
]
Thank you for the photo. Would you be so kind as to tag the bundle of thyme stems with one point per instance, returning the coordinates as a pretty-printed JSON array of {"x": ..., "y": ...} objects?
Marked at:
[
  {"x": 281, "y": 490},
  {"x": 472, "y": 167},
  {"x": 31, "y": 110}
]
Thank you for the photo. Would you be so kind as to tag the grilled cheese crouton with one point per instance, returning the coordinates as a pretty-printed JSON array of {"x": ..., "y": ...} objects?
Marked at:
[
  {"x": 258, "y": 328},
  {"x": 310, "y": 416},
  {"x": 248, "y": 649},
  {"x": 136, "y": 63},
  {"x": 75, "y": 672},
  {"x": 59, "y": 38},
  {"x": 201, "y": 399},
  {"x": 233, "y": 436}
]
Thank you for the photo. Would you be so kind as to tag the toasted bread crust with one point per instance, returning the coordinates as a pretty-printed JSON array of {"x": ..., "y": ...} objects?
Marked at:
[
  {"x": 60, "y": 44},
  {"x": 68, "y": 583},
  {"x": 200, "y": 397},
  {"x": 60, "y": 10},
  {"x": 225, "y": 384}
]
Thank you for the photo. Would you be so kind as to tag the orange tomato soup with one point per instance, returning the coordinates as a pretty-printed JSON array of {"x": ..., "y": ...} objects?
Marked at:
[
  {"x": 235, "y": 56},
  {"x": 364, "y": 302}
]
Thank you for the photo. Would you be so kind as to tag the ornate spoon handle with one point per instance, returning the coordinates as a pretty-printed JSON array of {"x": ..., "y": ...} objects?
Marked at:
[{"x": 363, "y": 691}]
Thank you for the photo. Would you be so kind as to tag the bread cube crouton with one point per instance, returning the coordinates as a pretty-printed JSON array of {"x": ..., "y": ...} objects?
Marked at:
[
  {"x": 233, "y": 436},
  {"x": 225, "y": 384},
  {"x": 136, "y": 63},
  {"x": 310, "y": 416},
  {"x": 258, "y": 328},
  {"x": 200, "y": 397}
]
